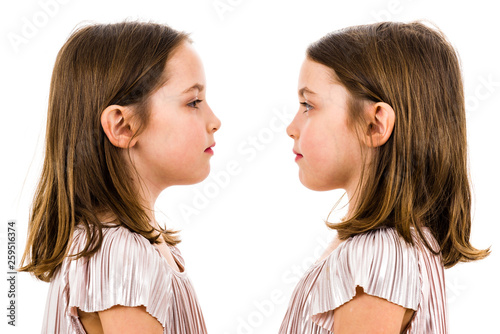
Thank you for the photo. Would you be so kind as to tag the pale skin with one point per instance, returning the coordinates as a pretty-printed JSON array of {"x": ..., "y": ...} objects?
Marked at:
[
  {"x": 329, "y": 156},
  {"x": 174, "y": 149}
]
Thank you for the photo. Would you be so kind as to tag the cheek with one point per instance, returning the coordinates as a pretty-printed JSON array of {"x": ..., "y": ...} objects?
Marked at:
[
  {"x": 186, "y": 138},
  {"x": 183, "y": 158},
  {"x": 327, "y": 160},
  {"x": 318, "y": 145}
]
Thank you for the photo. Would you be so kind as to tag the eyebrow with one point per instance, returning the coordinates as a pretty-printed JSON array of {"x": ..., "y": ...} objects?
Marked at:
[
  {"x": 197, "y": 86},
  {"x": 306, "y": 90}
]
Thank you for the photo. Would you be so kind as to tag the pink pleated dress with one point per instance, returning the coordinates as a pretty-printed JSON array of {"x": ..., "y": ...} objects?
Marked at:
[
  {"x": 127, "y": 270},
  {"x": 384, "y": 265}
]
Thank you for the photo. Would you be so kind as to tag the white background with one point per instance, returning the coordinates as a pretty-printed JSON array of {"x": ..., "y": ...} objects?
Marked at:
[{"x": 249, "y": 236}]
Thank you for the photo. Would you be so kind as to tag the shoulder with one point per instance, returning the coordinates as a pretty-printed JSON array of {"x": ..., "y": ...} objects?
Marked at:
[
  {"x": 120, "y": 249},
  {"x": 379, "y": 261},
  {"x": 121, "y": 238},
  {"x": 383, "y": 246},
  {"x": 115, "y": 241},
  {"x": 126, "y": 270},
  {"x": 122, "y": 252}
]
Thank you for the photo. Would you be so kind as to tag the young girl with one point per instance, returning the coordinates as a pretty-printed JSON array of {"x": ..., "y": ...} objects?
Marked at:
[
  {"x": 383, "y": 117},
  {"x": 127, "y": 118}
]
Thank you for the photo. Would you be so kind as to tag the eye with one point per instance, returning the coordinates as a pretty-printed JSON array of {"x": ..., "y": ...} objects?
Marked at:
[
  {"x": 307, "y": 105},
  {"x": 194, "y": 104}
]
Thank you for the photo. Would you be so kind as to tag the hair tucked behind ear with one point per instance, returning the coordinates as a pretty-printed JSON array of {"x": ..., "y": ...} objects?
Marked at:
[
  {"x": 419, "y": 177},
  {"x": 83, "y": 173}
]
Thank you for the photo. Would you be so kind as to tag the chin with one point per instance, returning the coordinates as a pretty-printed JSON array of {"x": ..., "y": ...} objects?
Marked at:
[
  {"x": 190, "y": 178},
  {"x": 315, "y": 185},
  {"x": 202, "y": 178},
  {"x": 199, "y": 177}
]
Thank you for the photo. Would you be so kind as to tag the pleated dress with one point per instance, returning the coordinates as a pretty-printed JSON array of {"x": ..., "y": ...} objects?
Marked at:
[
  {"x": 127, "y": 270},
  {"x": 385, "y": 266}
]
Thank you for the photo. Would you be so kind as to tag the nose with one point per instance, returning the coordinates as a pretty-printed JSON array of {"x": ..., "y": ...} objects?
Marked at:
[
  {"x": 217, "y": 124},
  {"x": 292, "y": 130},
  {"x": 214, "y": 123}
]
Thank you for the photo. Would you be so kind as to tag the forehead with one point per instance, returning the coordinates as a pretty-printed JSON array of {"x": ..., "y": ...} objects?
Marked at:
[
  {"x": 318, "y": 79},
  {"x": 313, "y": 72},
  {"x": 184, "y": 67}
]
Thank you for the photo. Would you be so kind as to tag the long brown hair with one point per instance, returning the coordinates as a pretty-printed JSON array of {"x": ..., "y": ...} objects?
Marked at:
[
  {"x": 83, "y": 173},
  {"x": 419, "y": 177}
]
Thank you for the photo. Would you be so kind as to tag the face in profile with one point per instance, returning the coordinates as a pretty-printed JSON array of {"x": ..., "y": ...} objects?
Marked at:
[
  {"x": 327, "y": 150},
  {"x": 176, "y": 146}
]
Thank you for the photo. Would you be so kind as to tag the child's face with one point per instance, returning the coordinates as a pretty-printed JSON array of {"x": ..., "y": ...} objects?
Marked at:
[
  {"x": 175, "y": 146},
  {"x": 327, "y": 151}
]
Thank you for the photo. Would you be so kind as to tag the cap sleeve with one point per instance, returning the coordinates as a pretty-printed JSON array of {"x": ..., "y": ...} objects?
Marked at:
[
  {"x": 379, "y": 261},
  {"x": 126, "y": 271}
]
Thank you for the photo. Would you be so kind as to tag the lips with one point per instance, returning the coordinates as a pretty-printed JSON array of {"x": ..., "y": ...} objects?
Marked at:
[
  {"x": 209, "y": 149},
  {"x": 298, "y": 155}
]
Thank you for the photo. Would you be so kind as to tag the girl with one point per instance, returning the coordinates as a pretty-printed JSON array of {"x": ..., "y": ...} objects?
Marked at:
[
  {"x": 383, "y": 117},
  {"x": 127, "y": 118}
]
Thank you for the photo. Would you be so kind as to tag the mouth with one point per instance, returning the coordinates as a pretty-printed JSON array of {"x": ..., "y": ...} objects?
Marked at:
[
  {"x": 209, "y": 149},
  {"x": 298, "y": 156}
]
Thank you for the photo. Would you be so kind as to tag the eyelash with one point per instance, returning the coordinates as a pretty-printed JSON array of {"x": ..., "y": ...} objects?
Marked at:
[
  {"x": 307, "y": 105},
  {"x": 194, "y": 103}
]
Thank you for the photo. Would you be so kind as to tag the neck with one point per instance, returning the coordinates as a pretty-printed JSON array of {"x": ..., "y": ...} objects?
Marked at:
[
  {"x": 148, "y": 200},
  {"x": 353, "y": 197},
  {"x": 148, "y": 193}
]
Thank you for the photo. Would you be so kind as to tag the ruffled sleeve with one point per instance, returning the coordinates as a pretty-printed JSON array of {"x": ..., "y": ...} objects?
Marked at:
[
  {"x": 379, "y": 261},
  {"x": 126, "y": 270}
]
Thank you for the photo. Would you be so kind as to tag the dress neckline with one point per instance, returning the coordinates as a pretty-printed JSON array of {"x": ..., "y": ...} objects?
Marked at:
[
  {"x": 317, "y": 263},
  {"x": 174, "y": 256}
]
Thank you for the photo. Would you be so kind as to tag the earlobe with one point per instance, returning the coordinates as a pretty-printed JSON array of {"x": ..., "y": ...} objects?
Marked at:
[
  {"x": 116, "y": 123},
  {"x": 381, "y": 118}
]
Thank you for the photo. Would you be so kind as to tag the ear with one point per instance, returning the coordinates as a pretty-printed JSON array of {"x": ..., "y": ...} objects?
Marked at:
[
  {"x": 117, "y": 125},
  {"x": 381, "y": 119}
]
